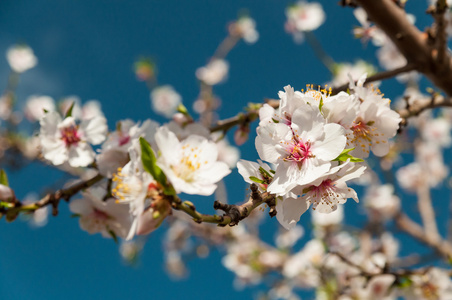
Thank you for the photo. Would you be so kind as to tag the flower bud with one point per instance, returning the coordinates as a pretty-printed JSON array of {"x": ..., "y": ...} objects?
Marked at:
[
  {"x": 241, "y": 135},
  {"x": 153, "y": 216}
]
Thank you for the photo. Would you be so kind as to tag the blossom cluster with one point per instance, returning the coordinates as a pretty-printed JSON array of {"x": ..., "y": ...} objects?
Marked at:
[{"x": 315, "y": 143}]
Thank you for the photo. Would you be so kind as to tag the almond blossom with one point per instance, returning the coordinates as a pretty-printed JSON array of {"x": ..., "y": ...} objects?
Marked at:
[
  {"x": 97, "y": 215},
  {"x": 165, "y": 100},
  {"x": 215, "y": 72},
  {"x": 245, "y": 27},
  {"x": 65, "y": 140},
  {"x": 375, "y": 123},
  {"x": 191, "y": 165},
  {"x": 134, "y": 186},
  {"x": 36, "y": 106},
  {"x": 21, "y": 58},
  {"x": 114, "y": 153},
  {"x": 301, "y": 152},
  {"x": 303, "y": 16},
  {"x": 324, "y": 194}
]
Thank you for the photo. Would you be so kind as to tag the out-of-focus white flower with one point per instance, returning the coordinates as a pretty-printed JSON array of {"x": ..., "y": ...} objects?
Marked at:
[
  {"x": 381, "y": 201},
  {"x": 367, "y": 31},
  {"x": 6, "y": 193},
  {"x": 245, "y": 27},
  {"x": 343, "y": 72},
  {"x": 191, "y": 165},
  {"x": 227, "y": 153},
  {"x": 89, "y": 110},
  {"x": 302, "y": 267},
  {"x": 288, "y": 238},
  {"x": 96, "y": 215},
  {"x": 114, "y": 153},
  {"x": 165, "y": 100},
  {"x": 324, "y": 220},
  {"x": 215, "y": 72},
  {"x": 21, "y": 58},
  {"x": 65, "y": 140},
  {"x": 435, "y": 284},
  {"x": 303, "y": 16},
  {"x": 39, "y": 217},
  {"x": 437, "y": 132},
  {"x": 36, "y": 106}
]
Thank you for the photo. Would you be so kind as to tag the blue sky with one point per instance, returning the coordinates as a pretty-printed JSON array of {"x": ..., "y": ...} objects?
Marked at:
[{"x": 87, "y": 48}]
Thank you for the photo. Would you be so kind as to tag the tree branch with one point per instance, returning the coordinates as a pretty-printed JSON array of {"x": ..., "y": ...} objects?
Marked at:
[{"x": 411, "y": 42}]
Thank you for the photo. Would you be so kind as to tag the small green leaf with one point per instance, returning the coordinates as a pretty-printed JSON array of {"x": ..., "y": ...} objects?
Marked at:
[
  {"x": 6, "y": 204},
  {"x": 3, "y": 178},
  {"x": 264, "y": 172},
  {"x": 272, "y": 171},
  {"x": 321, "y": 104},
  {"x": 69, "y": 112},
  {"x": 182, "y": 109},
  {"x": 113, "y": 235},
  {"x": 257, "y": 180},
  {"x": 150, "y": 162},
  {"x": 275, "y": 121},
  {"x": 75, "y": 216},
  {"x": 344, "y": 156}
]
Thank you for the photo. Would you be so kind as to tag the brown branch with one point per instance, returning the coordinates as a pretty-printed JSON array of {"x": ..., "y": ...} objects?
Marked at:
[
  {"x": 379, "y": 76},
  {"x": 419, "y": 106},
  {"x": 410, "y": 41},
  {"x": 441, "y": 34},
  {"x": 50, "y": 199},
  {"x": 233, "y": 213}
]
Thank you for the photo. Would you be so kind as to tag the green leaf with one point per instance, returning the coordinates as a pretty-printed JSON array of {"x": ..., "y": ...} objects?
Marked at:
[
  {"x": 150, "y": 162},
  {"x": 113, "y": 235},
  {"x": 257, "y": 180},
  {"x": 264, "y": 172},
  {"x": 344, "y": 156},
  {"x": 3, "y": 178},
  {"x": 321, "y": 104},
  {"x": 150, "y": 165},
  {"x": 69, "y": 112},
  {"x": 272, "y": 171},
  {"x": 75, "y": 216}
]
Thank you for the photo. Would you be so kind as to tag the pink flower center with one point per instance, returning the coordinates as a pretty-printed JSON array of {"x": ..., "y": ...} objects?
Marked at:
[
  {"x": 324, "y": 194},
  {"x": 100, "y": 215},
  {"x": 70, "y": 135},
  {"x": 124, "y": 140},
  {"x": 299, "y": 152}
]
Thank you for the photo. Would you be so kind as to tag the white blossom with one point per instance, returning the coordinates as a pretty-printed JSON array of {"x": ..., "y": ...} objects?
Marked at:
[
  {"x": 165, "y": 100},
  {"x": 66, "y": 140},
  {"x": 21, "y": 58},
  {"x": 303, "y": 16},
  {"x": 36, "y": 106},
  {"x": 215, "y": 72},
  {"x": 191, "y": 165}
]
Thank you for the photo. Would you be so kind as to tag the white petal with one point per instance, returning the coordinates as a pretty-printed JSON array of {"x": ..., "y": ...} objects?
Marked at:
[{"x": 94, "y": 130}]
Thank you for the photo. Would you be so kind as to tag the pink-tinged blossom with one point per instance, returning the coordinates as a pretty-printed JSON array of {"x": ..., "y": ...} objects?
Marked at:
[
  {"x": 375, "y": 123},
  {"x": 114, "y": 152},
  {"x": 302, "y": 17},
  {"x": 381, "y": 202},
  {"x": 6, "y": 193},
  {"x": 434, "y": 284},
  {"x": 191, "y": 165},
  {"x": 437, "y": 132},
  {"x": 36, "y": 106},
  {"x": 301, "y": 152},
  {"x": 324, "y": 194},
  {"x": 165, "y": 100},
  {"x": 66, "y": 140},
  {"x": 97, "y": 215},
  {"x": 134, "y": 186},
  {"x": 367, "y": 31},
  {"x": 21, "y": 58},
  {"x": 216, "y": 71},
  {"x": 251, "y": 169}
]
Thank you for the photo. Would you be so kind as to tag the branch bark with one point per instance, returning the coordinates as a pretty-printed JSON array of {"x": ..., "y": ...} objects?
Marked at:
[{"x": 410, "y": 41}]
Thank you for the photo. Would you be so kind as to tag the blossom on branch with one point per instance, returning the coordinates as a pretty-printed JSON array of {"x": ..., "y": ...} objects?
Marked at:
[{"x": 65, "y": 140}]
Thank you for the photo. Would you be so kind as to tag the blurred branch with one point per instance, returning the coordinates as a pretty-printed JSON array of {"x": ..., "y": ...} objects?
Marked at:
[
  {"x": 426, "y": 211},
  {"x": 410, "y": 41},
  {"x": 378, "y": 76},
  {"x": 412, "y": 228},
  {"x": 50, "y": 199}
]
